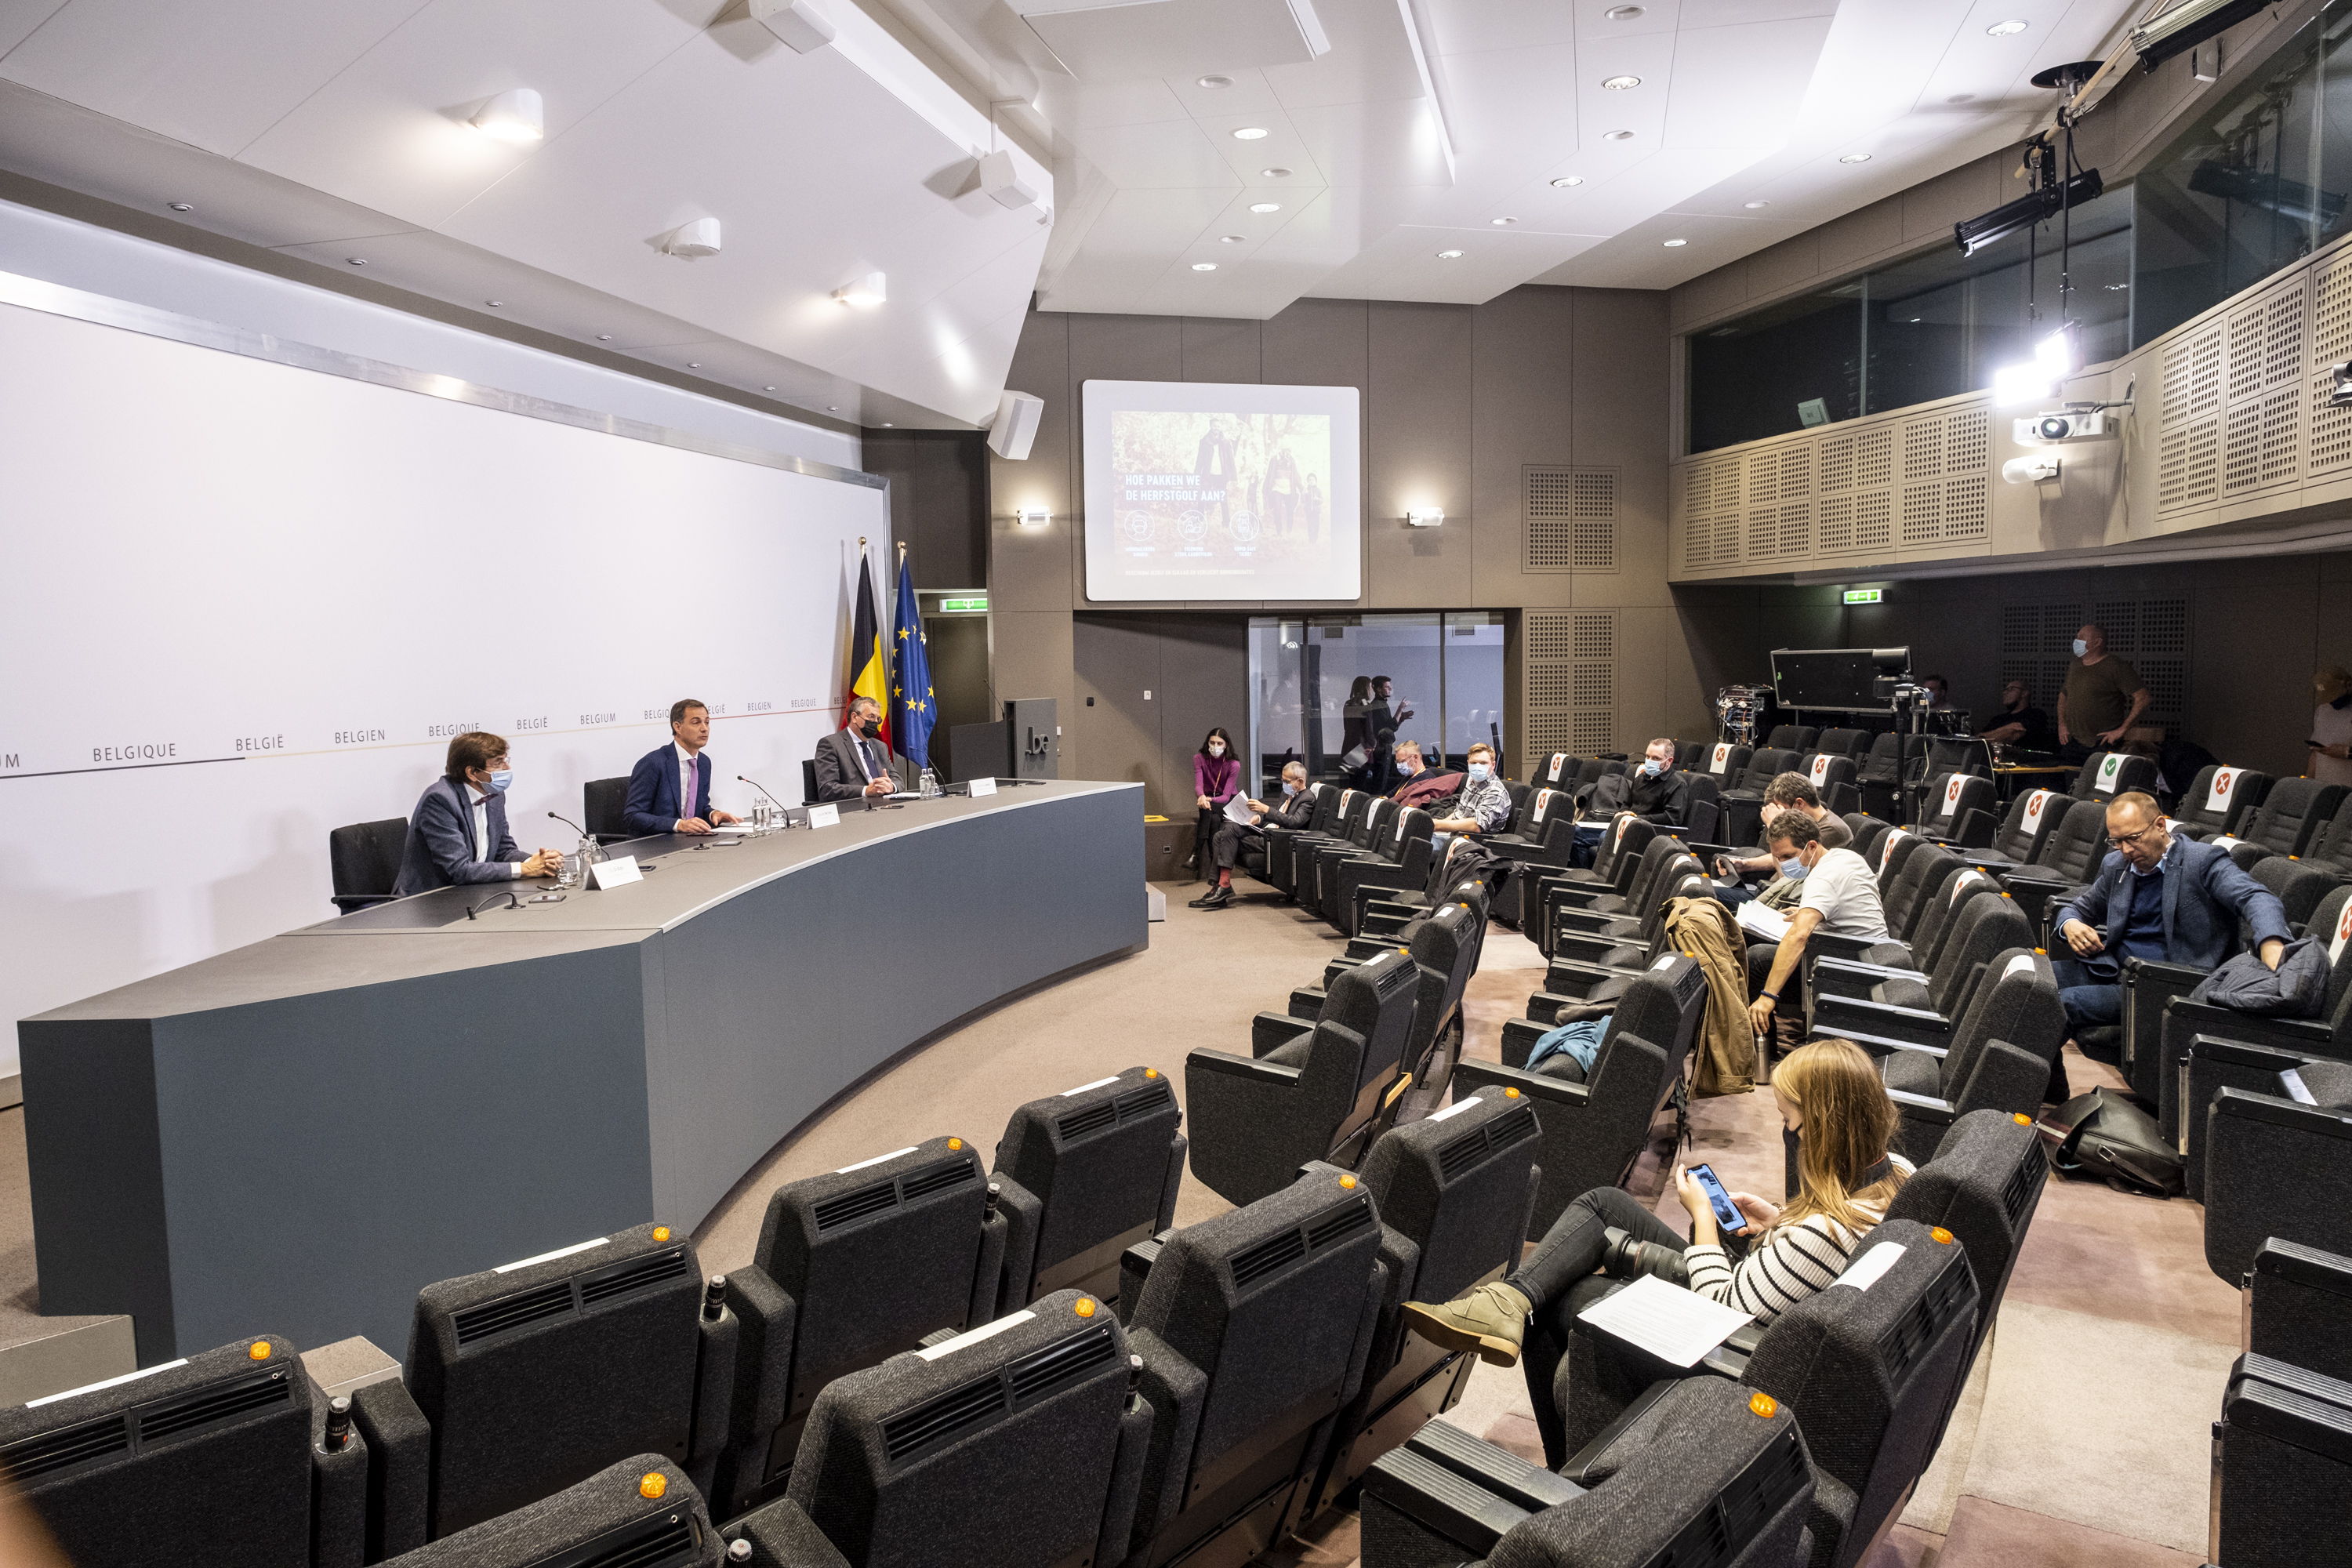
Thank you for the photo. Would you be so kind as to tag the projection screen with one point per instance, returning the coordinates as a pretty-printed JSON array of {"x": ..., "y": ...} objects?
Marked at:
[
  {"x": 243, "y": 602},
  {"x": 1208, "y": 491}
]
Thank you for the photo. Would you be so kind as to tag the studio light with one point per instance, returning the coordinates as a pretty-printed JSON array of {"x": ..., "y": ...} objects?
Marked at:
[
  {"x": 2187, "y": 24},
  {"x": 2059, "y": 354},
  {"x": 865, "y": 292},
  {"x": 798, "y": 24},
  {"x": 2022, "y": 384},
  {"x": 517, "y": 115},
  {"x": 2014, "y": 217},
  {"x": 694, "y": 239},
  {"x": 1424, "y": 516}
]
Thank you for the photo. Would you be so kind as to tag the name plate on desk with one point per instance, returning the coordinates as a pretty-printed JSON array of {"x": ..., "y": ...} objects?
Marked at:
[
  {"x": 618, "y": 872},
  {"x": 982, "y": 786},
  {"x": 824, "y": 816}
]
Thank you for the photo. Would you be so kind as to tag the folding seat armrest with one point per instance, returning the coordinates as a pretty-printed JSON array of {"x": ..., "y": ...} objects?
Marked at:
[
  {"x": 399, "y": 1443},
  {"x": 1384, "y": 919},
  {"x": 1227, "y": 1065},
  {"x": 1588, "y": 921},
  {"x": 1923, "y": 1107},
  {"x": 2307, "y": 1035},
  {"x": 2181, "y": 978},
  {"x": 1850, "y": 949},
  {"x": 1877, "y": 1045},
  {"x": 720, "y": 1344},
  {"x": 1903, "y": 1022},
  {"x": 1306, "y": 1003},
  {"x": 1024, "y": 1213},
  {"x": 1975, "y": 830},
  {"x": 1572, "y": 980},
  {"x": 1478, "y": 1075},
  {"x": 1863, "y": 969},
  {"x": 782, "y": 1535},
  {"x": 1584, "y": 1468},
  {"x": 1578, "y": 895},
  {"x": 1271, "y": 1030},
  {"x": 1519, "y": 1039},
  {"x": 1177, "y": 1390}
]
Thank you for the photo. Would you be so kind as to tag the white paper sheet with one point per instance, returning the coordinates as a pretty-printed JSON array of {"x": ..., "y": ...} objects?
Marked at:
[
  {"x": 1238, "y": 810},
  {"x": 1871, "y": 1266},
  {"x": 1769, "y": 925},
  {"x": 1675, "y": 1325}
]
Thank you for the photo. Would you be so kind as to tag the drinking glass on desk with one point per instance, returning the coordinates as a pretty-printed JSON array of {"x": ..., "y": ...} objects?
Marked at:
[{"x": 567, "y": 875}]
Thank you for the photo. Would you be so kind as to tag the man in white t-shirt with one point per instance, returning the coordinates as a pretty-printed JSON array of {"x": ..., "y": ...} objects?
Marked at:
[{"x": 1837, "y": 893}]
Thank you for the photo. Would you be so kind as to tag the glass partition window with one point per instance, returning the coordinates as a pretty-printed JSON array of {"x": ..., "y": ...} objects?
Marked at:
[{"x": 1326, "y": 690}]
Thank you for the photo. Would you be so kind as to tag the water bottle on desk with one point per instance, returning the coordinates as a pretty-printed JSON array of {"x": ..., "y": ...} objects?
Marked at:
[{"x": 930, "y": 787}]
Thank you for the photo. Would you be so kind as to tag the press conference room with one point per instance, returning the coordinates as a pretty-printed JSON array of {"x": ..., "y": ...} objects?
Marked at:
[{"x": 849, "y": 784}]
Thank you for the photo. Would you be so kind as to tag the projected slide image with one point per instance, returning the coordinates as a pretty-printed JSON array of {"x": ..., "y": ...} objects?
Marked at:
[{"x": 1197, "y": 491}]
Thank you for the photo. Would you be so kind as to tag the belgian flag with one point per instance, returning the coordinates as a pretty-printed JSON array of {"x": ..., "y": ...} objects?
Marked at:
[{"x": 868, "y": 676}]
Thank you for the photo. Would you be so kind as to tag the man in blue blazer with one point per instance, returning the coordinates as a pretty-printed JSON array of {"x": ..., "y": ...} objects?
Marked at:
[
  {"x": 2156, "y": 896},
  {"x": 458, "y": 834},
  {"x": 669, "y": 789}
]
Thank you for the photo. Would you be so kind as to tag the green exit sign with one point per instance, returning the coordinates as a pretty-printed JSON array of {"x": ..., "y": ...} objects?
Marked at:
[
  {"x": 1862, "y": 596},
  {"x": 976, "y": 604}
]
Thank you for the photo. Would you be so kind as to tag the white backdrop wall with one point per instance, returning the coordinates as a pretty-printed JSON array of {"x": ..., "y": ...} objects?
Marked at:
[{"x": 243, "y": 603}]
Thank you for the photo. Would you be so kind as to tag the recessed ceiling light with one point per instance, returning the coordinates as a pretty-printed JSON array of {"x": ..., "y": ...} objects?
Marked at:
[
  {"x": 1273, "y": 173},
  {"x": 1217, "y": 81},
  {"x": 1619, "y": 136},
  {"x": 494, "y": 304},
  {"x": 833, "y": 408},
  {"x": 517, "y": 115},
  {"x": 1266, "y": 206},
  {"x": 1502, "y": 222},
  {"x": 184, "y": 206},
  {"x": 694, "y": 365},
  {"x": 604, "y": 337},
  {"x": 1855, "y": 158},
  {"x": 767, "y": 389},
  {"x": 1622, "y": 13},
  {"x": 2003, "y": 29},
  {"x": 1250, "y": 133},
  {"x": 866, "y": 292},
  {"x": 1229, "y": 239},
  {"x": 1753, "y": 206},
  {"x": 1204, "y": 267},
  {"x": 885, "y": 424},
  {"x": 355, "y": 260},
  {"x": 1620, "y": 83},
  {"x": 1568, "y": 182},
  {"x": 1674, "y": 244},
  {"x": 1449, "y": 256}
]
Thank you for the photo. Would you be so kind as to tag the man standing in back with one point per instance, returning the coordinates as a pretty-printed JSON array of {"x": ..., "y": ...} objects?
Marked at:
[
  {"x": 669, "y": 789},
  {"x": 2102, "y": 699}
]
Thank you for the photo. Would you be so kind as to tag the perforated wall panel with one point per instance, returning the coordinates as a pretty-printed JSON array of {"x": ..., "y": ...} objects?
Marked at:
[
  {"x": 1571, "y": 517},
  {"x": 1571, "y": 681}
]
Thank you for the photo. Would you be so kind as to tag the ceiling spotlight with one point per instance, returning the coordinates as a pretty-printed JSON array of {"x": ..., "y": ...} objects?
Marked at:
[
  {"x": 2005, "y": 29},
  {"x": 1217, "y": 81},
  {"x": 1204, "y": 267},
  {"x": 1449, "y": 256},
  {"x": 1273, "y": 173},
  {"x": 1622, "y": 13},
  {"x": 496, "y": 304},
  {"x": 698, "y": 239},
  {"x": 2185, "y": 25},
  {"x": 1266, "y": 206},
  {"x": 1753, "y": 206},
  {"x": 1229, "y": 239},
  {"x": 604, "y": 337},
  {"x": 1617, "y": 136},
  {"x": 355, "y": 261},
  {"x": 1568, "y": 182},
  {"x": 767, "y": 389},
  {"x": 1502, "y": 222},
  {"x": 1250, "y": 133},
  {"x": 515, "y": 115},
  {"x": 694, "y": 365},
  {"x": 885, "y": 424},
  {"x": 183, "y": 207},
  {"x": 1973, "y": 235},
  {"x": 833, "y": 408},
  {"x": 1855, "y": 158},
  {"x": 1620, "y": 83},
  {"x": 1674, "y": 244},
  {"x": 865, "y": 292},
  {"x": 798, "y": 24}
]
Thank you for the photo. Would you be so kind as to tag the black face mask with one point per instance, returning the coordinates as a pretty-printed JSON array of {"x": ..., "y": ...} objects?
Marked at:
[{"x": 871, "y": 728}]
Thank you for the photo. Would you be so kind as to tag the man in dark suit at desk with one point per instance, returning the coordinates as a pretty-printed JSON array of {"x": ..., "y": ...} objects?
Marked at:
[
  {"x": 669, "y": 789},
  {"x": 854, "y": 762},
  {"x": 458, "y": 834}
]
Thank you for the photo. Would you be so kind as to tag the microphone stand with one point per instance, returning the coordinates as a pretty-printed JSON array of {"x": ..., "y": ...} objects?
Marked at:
[{"x": 782, "y": 811}]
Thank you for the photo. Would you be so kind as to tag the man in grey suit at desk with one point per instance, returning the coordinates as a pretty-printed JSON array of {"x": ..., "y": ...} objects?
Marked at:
[
  {"x": 854, "y": 762},
  {"x": 458, "y": 832}
]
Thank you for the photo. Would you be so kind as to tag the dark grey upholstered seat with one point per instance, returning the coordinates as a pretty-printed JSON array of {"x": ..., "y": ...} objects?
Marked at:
[
  {"x": 1257, "y": 1119},
  {"x": 1982, "y": 1182},
  {"x": 2032, "y": 817},
  {"x": 1727, "y": 761},
  {"x": 1620, "y": 858},
  {"x": 642, "y": 1509},
  {"x": 1845, "y": 743},
  {"x": 1385, "y": 911},
  {"x": 2283, "y": 1467},
  {"x": 1869, "y": 834},
  {"x": 1833, "y": 775},
  {"x": 603, "y": 805},
  {"x": 1885, "y": 1002},
  {"x": 2332, "y": 844},
  {"x": 2069, "y": 858},
  {"x": 363, "y": 861},
  {"x": 208, "y": 1462},
  {"x": 1254, "y": 1328},
  {"x": 1919, "y": 901},
  {"x": 1792, "y": 737},
  {"x": 1743, "y": 803},
  {"x": 852, "y": 1266},
  {"x": 1452, "y": 1193},
  {"x": 1081, "y": 1177},
  {"x": 1317, "y": 882},
  {"x": 1401, "y": 863},
  {"x": 1336, "y": 811},
  {"x": 1870, "y": 1375},
  {"x": 1586, "y": 924},
  {"x": 1707, "y": 1469},
  {"x": 2293, "y": 815},
  {"x": 2106, "y": 774},
  {"x": 1958, "y": 809},
  {"x": 1998, "y": 1056},
  {"x": 1014, "y": 1443},
  {"x": 538, "y": 1375},
  {"x": 2219, "y": 800},
  {"x": 1546, "y": 842},
  {"x": 2276, "y": 1166},
  {"x": 2299, "y": 1307},
  {"x": 1880, "y": 777}
]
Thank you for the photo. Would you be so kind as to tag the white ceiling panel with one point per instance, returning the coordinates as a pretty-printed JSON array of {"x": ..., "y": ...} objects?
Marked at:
[
  {"x": 19, "y": 18},
  {"x": 1407, "y": 263},
  {"x": 1389, "y": 144},
  {"x": 213, "y": 73},
  {"x": 1371, "y": 58},
  {"x": 1170, "y": 155},
  {"x": 1729, "y": 81}
]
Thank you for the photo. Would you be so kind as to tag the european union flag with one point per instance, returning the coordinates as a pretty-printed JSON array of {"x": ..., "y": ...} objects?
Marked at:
[{"x": 914, "y": 708}]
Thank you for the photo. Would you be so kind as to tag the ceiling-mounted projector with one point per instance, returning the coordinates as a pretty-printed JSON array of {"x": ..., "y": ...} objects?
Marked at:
[
  {"x": 1123, "y": 40},
  {"x": 2067, "y": 424},
  {"x": 2187, "y": 24}
]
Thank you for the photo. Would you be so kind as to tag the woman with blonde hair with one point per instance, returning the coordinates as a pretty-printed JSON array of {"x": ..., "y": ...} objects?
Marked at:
[{"x": 1831, "y": 1096}]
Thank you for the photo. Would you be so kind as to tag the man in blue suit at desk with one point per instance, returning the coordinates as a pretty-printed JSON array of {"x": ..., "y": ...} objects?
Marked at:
[
  {"x": 669, "y": 789},
  {"x": 458, "y": 834},
  {"x": 2156, "y": 897}
]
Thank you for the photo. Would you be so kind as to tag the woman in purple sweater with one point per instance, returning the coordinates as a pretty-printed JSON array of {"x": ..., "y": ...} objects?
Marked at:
[{"x": 1216, "y": 779}]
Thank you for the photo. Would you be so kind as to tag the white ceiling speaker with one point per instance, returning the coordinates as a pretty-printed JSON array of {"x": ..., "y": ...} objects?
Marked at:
[
  {"x": 798, "y": 24},
  {"x": 1003, "y": 183},
  {"x": 865, "y": 292},
  {"x": 1014, "y": 428},
  {"x": 1127, "y": 40},
  {"x": 517, "y": 115},
  {"x": 699, "y": 238}
]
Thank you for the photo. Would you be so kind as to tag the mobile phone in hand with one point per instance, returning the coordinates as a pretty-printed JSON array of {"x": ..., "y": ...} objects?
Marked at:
[{"x": 1726, "y": 1213}]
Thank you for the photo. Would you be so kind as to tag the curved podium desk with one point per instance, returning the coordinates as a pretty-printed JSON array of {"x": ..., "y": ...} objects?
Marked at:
[{"x": 294, "y": 1137}]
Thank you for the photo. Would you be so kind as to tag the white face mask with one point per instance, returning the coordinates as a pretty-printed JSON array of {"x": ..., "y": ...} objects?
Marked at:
[
  {"x": 1288, "y": 787},
  {"x": 1216, "y": 748},
  {"x": 2080, "y": 647},
  {"x": 1480, "y": 772}
]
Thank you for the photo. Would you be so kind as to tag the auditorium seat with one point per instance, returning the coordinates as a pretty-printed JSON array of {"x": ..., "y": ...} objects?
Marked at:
[
  {"x": 1851, "y": 743},
  {"x": 1831, "y": 774},
  {"x": 1876, "y": 1003},
  {"x": 2221, "y": 800},
  {"x": 1254, "y": 1329},
  {"x": 1400, "y": 863},
  {"x": 1983, "y": 1182},
  {"x": 602, "y": 804},
  {"x": 1614, "y": 861},
  {"x": 2069, "y": 858},
  {"x": 1367, "y": 833},
  {"x": 1311, "y": 1088},
  {"x": 642, "y": 1512},
  {"x": 1726, "y": 761},
  {"x": 1082, "y": 1175},
  {"x": 217, "y": 1461},
  {"x": 2278, "y": 1163},
  {"x": 1958, "y": 810},
  {"x": 1702, "y": 808},
  {"x": 1916, "y": 882},
  {"x": 1997, "y": 1056},
  {"x": 2282, "y": 1465},
  {"x": 1587, "y": 930},
  {"x": 1743, "y": 803},
  {"x": 363, "y": 862},
  {"x": 1879, "y": 778},
  {"x": 1453, "y": 1192},
  {"x": 2293, "y": 815},
  {"x": 1335, "y": 813},
  {"x": 537, "y": 1375},
  {"x": 1019, "y": 1442},
  {"x": 1445, "y": 949},
  {"x": 2106, "y": 774},
  {"x": 1869, "y": 1375},
  {"x": 1713, "y": 1476},
  {"x": 2299, "y": 1307},
  {"x": 2032, "y": 817},
  {"x": 1869, "y": 834},
  {"x": 851, "y": 1266},
  {"x": 2332, "y": 844},
  {"x": 1385, "y": 914},
  {"x": 1792, "y": 738},
  {"x": 1937, "y": 916}
]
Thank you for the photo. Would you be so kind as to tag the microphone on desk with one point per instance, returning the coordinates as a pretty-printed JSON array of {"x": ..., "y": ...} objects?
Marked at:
[
  {"x": 513, "y": 902},
  {"x": 569, "y": 822},
  {"x": 763, "y": 789}
]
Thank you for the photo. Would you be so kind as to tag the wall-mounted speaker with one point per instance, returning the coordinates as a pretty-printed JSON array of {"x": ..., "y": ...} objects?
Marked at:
[{"x": 1014, "y": 427}]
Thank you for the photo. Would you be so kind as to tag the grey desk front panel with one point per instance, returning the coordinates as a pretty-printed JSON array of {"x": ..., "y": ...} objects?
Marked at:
[{"x": 296, "y": 1136}]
